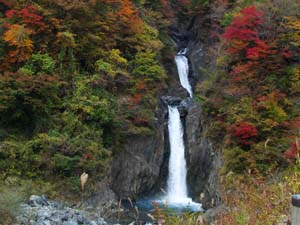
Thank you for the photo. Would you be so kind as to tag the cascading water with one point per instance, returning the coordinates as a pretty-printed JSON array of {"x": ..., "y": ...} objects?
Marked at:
[
  {"x": 183, "y": 70},
  {"x": 177, "y": 188},
  {"x": 177, "y": 194}
]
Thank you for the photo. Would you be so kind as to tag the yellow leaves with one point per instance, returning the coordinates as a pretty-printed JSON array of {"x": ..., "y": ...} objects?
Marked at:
[
  {"x": 115, "y": 58},
  {"x": 294, "y": 79},
  {"x": 293, "y": 24},
  {"x": 67, "y": 39}
]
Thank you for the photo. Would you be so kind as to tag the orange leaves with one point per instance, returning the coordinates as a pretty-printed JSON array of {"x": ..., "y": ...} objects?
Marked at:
[
  {"x": 124, "y": 13},
  {"x": 237, "y": 45},
  {"x": 17, "y": 36},
  {"x": 260, "y": 51},
  {"x": 23, "y": 23},
  {"x": 128, "y": 14}
]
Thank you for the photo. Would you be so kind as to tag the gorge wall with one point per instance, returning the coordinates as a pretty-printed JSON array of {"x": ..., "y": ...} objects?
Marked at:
[{"x": 142, "y": 166}]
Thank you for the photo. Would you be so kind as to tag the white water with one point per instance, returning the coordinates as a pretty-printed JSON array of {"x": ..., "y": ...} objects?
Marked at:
[
  {"x": 177, "y": 188},
  {"x": 183, "y": 70},
  {"x": 177, "y": 194}
]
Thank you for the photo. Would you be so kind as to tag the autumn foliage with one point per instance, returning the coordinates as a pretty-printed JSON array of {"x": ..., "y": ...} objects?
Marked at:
[
  {"x": 243, "y": 132},
  {"x": 246, "y": 44},
  {"x": 256, "y": 92},
  {"x": 29, "y": 16},
  {"x": 75, "y": 78}
]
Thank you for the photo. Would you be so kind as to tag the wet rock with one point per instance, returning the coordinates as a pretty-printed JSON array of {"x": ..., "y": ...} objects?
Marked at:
[{"x": 171, "y": 100}]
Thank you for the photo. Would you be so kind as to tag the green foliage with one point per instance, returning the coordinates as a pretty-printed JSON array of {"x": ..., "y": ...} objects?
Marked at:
[
  {"x": 24, "y": 98},
  {"x": 145, "y": 66},
  {"x": 69, "y": 92},
  {"x": 65, "y": 164},
  {"x": 10, "y": 200},
  {"x": 39, "y": 63},
  {"x": 200, "y": 2},
  {"x": 235, "y": 159},
  {"x": 229, "y": 16},
  {"x": 104, "y": 67}
]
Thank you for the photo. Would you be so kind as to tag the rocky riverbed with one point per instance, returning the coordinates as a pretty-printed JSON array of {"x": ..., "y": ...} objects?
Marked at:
[{"x": 41, "y": 211}]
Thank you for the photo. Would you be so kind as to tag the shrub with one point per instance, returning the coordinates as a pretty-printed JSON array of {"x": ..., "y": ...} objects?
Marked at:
[
  {"x": 10, "y": 200},
  {"x": 243, "y": 132}
]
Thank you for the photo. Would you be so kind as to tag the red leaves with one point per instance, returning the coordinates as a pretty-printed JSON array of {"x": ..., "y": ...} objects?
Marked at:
[
  {"x": 251, "y": 13},
  {"x": 166, "y": 9},
  {"x": 254, "y": 56},
  {"x": 241, "y": 71},
  {"x": 294, "y": 151},
  {"x": 136, "y": 99},
  {"x": 260, "y": 51},
  {"x": 286, "y": 53},
  {"x": 28, "y": 16},
  {"x": 242, "y": 34},
  {"x": 243, "y": 132},
  {"x": 232, "y": 32},
  {"x": 244, "y": 27}
]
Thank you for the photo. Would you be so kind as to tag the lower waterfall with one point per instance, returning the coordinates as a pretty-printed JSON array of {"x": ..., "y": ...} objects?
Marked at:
[
  {"x": 177, "y": 194},
  {"x": 177, "y": 188}
]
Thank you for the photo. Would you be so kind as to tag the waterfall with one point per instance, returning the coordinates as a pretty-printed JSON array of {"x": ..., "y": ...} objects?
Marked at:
[
  {"x": 177, "y": 188},
  {"x": 183, "y": 70},
  {"x": 177, "y": 194},
  {"x": 176, "y": 185}
]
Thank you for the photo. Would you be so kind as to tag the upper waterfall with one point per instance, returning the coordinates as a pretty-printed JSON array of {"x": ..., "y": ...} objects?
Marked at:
[{"x": 183, "y": 70}]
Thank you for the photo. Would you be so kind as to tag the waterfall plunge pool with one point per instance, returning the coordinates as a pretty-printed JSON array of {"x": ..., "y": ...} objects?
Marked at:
[{"x": 185, "y": 205}]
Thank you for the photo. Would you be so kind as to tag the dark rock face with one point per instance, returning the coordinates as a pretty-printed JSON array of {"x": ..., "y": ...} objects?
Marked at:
[
  {"x": 203, "y": 159},
  {"x": 41, "y": 211},
  {"x": 136, "y": 170}
]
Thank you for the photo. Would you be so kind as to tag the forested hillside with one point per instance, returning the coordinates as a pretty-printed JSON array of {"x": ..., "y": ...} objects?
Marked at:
[
  {"x": 78, "y": 78},
  {"x": 253, "y": 99}
]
